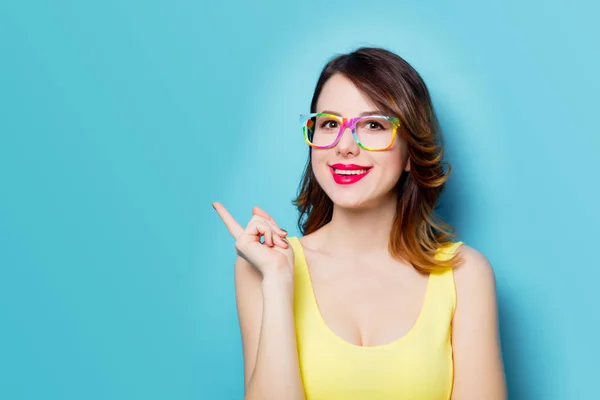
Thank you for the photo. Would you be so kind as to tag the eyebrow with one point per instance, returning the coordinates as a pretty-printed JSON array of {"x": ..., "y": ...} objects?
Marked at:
[{"x": 377, "y": 112}]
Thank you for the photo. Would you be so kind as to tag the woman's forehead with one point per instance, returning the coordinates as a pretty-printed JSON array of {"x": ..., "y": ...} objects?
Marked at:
[{"x": 340, "y": 96}]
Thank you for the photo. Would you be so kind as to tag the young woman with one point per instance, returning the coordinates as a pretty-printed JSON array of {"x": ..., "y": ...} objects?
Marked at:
[{"x": 376, "y": 300}]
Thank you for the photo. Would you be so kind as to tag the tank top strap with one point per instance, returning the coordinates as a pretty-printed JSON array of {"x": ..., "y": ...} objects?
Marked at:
[
  {"x": 446, "y": 252},
  {"x": 300, "y": 267},
  {"x": 443, "y": 291},
  {"x": 303, "y": 295}
]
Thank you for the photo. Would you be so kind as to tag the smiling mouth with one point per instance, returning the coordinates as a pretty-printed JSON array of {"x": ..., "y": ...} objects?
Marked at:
[{"x": 348, "y": 174}]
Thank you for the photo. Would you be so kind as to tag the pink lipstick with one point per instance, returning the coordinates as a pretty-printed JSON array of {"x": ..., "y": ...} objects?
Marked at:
[{"x": 345, "y": 174}]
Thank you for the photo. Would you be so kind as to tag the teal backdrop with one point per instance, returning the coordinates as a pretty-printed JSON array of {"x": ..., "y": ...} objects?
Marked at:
[{"x": 121, "y": 121}]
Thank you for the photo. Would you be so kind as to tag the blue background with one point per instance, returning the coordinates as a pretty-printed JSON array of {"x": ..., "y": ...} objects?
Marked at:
[{"x": 120, "y": 123}]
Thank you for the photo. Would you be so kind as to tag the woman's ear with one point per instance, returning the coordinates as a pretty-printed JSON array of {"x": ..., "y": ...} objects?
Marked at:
[{"x": 407, "y": 166}]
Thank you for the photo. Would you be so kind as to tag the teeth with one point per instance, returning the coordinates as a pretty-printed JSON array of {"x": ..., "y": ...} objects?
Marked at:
[{"x": 350, "y": 172}]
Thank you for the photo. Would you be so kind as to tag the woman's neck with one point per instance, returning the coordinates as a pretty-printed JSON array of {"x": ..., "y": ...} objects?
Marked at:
[{"x": 360, "y": 231}]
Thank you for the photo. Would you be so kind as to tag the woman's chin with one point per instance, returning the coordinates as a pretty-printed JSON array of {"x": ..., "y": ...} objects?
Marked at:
[
  {"x": 352, "y": 204},
  {"x": 360, "y": 201}
]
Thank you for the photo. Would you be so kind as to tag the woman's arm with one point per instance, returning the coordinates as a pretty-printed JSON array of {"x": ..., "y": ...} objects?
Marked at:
[
  {"x": 265, "y": 312},
  {"x": 478, "y": 366}
]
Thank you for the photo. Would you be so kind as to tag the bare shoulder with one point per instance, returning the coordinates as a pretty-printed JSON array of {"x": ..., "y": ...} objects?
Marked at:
[
  {"x": 474, "y": 272},
  {"x": 313, "y": 241}
]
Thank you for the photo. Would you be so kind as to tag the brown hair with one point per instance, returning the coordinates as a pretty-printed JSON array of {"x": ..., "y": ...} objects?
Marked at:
[{"x": 393, "y": 85}]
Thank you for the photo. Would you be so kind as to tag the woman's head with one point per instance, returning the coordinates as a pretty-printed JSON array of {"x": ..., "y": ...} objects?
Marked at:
[
  {"x": 357, "y": 156},
  {"x": 407, "y": 169}
]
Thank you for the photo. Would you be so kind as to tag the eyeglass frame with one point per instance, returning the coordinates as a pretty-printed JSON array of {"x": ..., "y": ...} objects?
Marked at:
[{"x": 348, "y": 123}]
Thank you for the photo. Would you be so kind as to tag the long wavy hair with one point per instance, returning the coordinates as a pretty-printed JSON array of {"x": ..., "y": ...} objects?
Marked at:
[{"x": 394, "y": 86}]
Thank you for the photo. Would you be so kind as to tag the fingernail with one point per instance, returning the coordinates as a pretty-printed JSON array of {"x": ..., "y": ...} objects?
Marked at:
[{"x": 283, "y": 230}]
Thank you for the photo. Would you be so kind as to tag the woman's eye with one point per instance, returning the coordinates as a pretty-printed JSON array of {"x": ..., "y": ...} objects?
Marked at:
[
  {"x": 374, "y": 125},
  {"x": 330, "y": 124}
]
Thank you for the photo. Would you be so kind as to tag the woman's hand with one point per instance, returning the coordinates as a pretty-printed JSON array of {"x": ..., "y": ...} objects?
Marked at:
[{"x": 273, "y": 255}]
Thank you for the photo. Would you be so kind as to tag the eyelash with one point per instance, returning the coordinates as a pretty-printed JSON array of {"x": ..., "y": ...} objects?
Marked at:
[{"x": 379, "y": 126}]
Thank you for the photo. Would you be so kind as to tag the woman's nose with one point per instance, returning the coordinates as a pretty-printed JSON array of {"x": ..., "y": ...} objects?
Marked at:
[{"x": 347, "y": 144}]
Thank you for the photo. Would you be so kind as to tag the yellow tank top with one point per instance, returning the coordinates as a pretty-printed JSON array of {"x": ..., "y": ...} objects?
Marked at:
[{"x": 415, "y": 366}]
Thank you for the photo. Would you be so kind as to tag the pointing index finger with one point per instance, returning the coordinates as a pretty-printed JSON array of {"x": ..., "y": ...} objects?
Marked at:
[{"x": 232, "y": 225}]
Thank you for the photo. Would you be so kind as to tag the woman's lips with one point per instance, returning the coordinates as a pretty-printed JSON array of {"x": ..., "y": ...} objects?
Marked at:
[{"x": 346, "y": 174}]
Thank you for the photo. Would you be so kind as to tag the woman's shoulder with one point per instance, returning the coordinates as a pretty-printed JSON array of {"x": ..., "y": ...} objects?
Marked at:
[
  {"x": 311, "y": 240},
  {"x": 474, "y": 273}
]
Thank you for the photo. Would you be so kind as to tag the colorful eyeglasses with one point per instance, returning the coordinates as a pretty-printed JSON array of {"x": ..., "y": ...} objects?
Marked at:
[{"x": 371, "y": 132}]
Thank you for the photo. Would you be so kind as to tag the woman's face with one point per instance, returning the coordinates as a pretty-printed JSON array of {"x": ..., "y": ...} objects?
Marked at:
[{"x": 384, "y": 168}]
